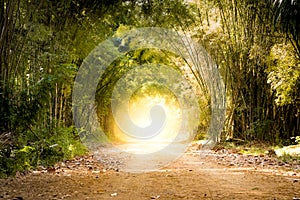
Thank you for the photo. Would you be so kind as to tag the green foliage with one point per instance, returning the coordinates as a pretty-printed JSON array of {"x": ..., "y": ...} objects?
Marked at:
[
  {"x": 43, "y": 44},
  {"x": 151, "y": 60},
  {"x": 53, "y": 145},
  {"x": 260, "y": 72},
  {"x": 68, "y": 142},
  {"x": 287, "y": 20},
  {"x": 284, "y": 74}
]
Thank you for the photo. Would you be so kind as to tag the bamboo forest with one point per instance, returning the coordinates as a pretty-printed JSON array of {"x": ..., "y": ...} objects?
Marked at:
[{"x": 150, "y": 99}]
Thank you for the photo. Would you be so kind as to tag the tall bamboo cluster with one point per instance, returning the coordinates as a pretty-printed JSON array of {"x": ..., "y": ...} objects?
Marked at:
[
  {"x": 36, "y": 72},
  {"x": 43, "y": 43},
  {"x": 242, "y": 49}
]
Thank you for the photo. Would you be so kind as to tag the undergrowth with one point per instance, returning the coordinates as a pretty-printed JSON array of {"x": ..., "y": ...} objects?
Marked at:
[
  {"x": 39, "y": 148},
  {"x": 260, "y": 148},
  {"x": 289, "y": 159}
]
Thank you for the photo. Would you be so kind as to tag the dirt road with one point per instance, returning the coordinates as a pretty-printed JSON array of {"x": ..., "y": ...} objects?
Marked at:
[{"x": 191, "y": 177}]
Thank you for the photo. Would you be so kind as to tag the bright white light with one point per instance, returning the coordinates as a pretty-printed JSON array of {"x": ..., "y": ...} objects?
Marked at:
[{"x": 139, "y": 111}]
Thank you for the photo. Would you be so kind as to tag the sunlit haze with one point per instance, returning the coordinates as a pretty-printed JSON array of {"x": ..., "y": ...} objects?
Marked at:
[{"x": 139, "y": 112}]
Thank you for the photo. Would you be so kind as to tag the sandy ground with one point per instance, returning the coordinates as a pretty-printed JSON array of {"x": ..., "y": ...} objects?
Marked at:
[{"x": 193, "y": 176}]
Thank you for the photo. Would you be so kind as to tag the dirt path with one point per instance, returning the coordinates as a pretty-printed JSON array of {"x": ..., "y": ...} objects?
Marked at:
[{"x": 191, "y": 177}]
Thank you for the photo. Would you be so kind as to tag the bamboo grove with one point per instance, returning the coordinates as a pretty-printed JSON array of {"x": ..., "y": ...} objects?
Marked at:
[
  {"x": 43, "y": 43},
  {"x": 258, "y": 52}
]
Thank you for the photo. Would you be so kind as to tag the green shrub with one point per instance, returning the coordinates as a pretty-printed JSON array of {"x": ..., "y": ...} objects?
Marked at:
[{"x": 44, "y": 147}]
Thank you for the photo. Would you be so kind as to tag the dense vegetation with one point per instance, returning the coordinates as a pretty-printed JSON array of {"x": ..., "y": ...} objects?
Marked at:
[{"x": 42, "y": 45}]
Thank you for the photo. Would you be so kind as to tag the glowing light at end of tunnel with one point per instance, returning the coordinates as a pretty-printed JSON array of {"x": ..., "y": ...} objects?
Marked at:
[{"x": 139, "y": 112}]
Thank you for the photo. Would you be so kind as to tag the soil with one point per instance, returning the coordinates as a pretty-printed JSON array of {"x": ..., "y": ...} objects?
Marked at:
[{"x": 216, "y": 174}]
